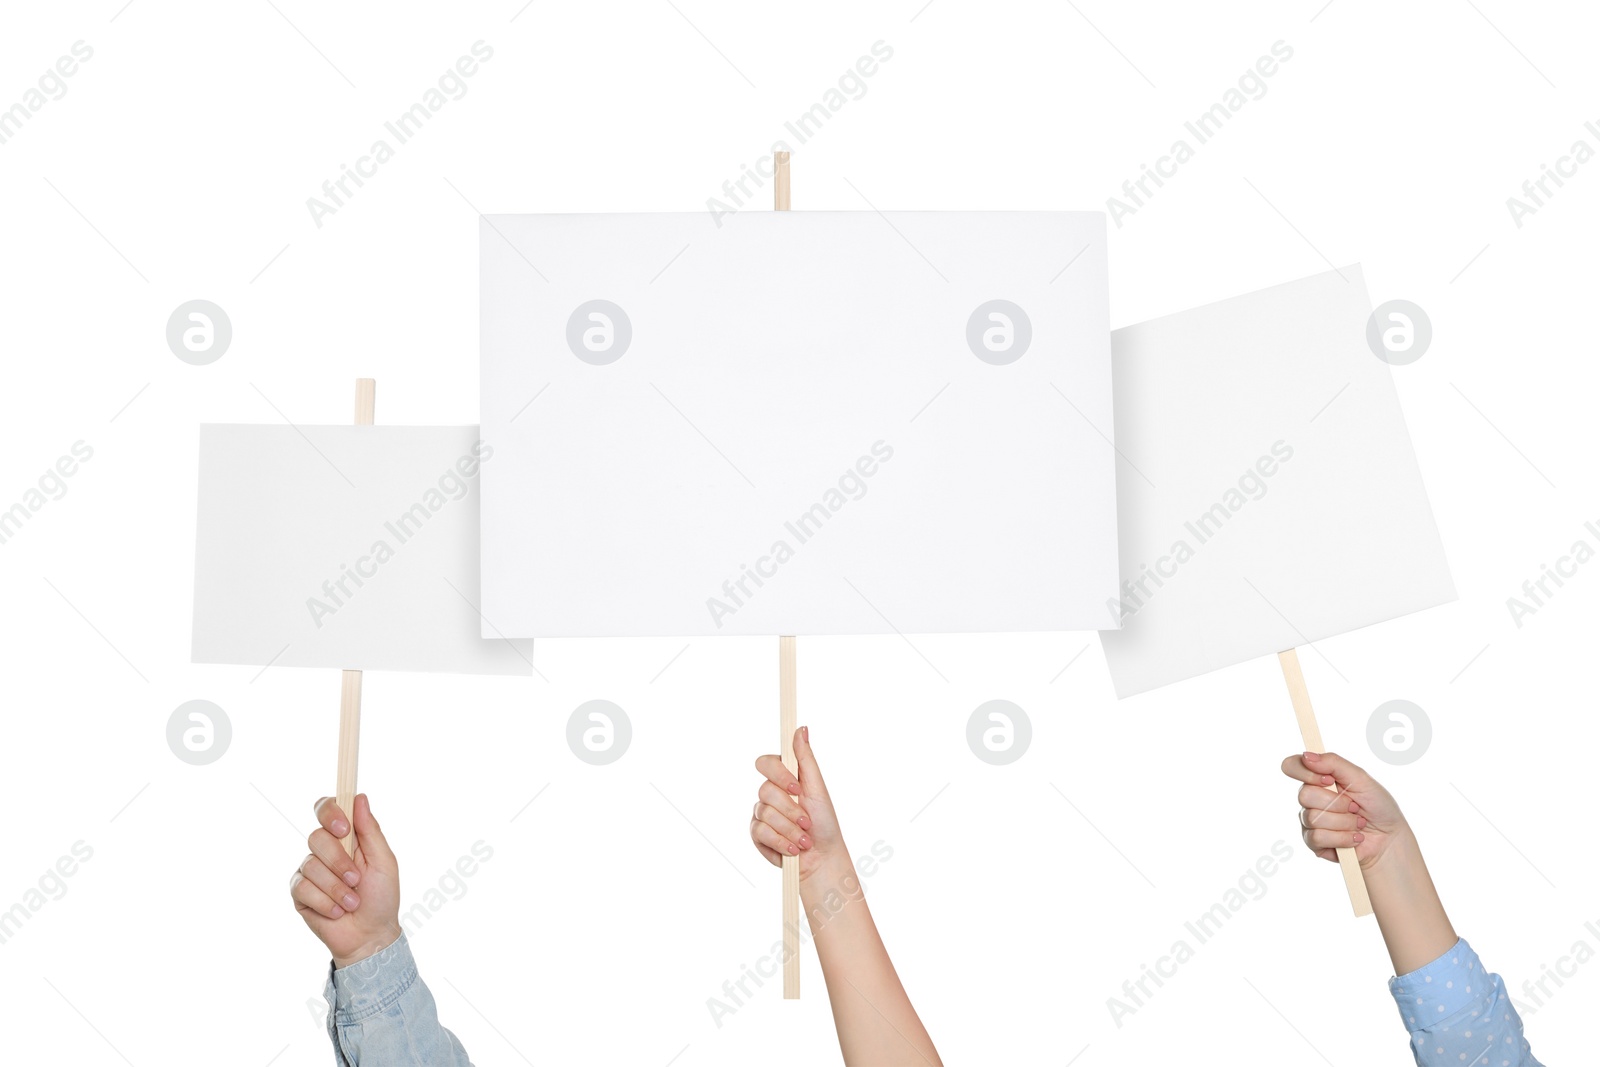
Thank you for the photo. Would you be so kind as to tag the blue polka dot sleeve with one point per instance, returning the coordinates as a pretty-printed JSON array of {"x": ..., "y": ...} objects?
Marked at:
[{"x": 1459, "y": 1014}]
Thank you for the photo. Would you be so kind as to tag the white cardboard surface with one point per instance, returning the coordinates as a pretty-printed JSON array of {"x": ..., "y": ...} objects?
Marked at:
[
  {"x": 284, "y": 510},
  {"x": 1338, "y": 536},
  {"x": 768, "y": 359}
]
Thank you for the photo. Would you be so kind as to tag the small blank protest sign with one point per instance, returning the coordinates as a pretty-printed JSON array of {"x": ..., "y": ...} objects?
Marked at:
[
  {"x": 796, "y": 423},
  {"x": 351, "y": 547},
  {"x": 1271, "y": 496}
]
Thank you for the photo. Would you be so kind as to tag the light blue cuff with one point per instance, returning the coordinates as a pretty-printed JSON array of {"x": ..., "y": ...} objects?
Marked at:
[
  {"x": 380, "y": 1014},
  {"x": 369, "y": 986},
  {"x": 1460, "y": 1014},
  {"x": 1437, "y": 992}
]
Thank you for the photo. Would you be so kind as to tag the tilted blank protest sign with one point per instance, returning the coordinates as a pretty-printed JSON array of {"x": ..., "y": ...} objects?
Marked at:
[
  {"x": 796, "y": 423},
  {"x": 349, "y": 547},
  {"x": 1270, "y": 498}
]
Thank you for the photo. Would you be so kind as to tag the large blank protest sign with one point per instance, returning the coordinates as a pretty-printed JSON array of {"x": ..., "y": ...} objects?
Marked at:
[
  {"x": 1272, "y": 497},
  {"x": 796, "y": 423},
  {"x": 342, "y": 546}
]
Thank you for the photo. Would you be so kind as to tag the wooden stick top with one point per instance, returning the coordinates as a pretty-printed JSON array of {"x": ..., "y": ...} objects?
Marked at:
[
  {"x": 780, "y": 185},
  {"x": 366, "y": 400}
]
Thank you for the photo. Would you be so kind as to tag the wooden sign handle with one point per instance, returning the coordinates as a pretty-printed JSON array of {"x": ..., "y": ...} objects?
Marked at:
[
  {"x": 1300, "y": 697},
  {"x": 350, "y": 682},
  {"x": 788, "y": 710},
  {"x": 788, "y": 714}
]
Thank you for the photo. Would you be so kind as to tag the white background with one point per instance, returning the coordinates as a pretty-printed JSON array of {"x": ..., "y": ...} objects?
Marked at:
[{"x": 177, "y": 167}]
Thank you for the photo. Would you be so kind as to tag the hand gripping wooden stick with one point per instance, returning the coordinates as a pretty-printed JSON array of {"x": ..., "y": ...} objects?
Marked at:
[
  {"x": 1312, "y": 738},
  {"x": 350, "y": 682}
]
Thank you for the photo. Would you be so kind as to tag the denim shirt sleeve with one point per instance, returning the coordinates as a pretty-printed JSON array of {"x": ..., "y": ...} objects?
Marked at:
[
  {"x": 380, "y": 1014},
  {"x": 1458, "y": 1013}
]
